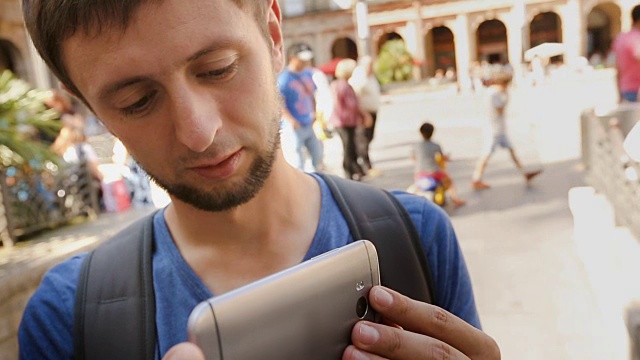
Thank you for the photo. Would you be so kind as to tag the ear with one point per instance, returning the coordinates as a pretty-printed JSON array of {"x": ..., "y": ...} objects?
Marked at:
[{"x": 274, "y": 20}]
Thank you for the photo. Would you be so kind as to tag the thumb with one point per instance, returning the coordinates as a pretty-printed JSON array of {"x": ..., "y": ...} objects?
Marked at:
[{"x": 184, "y": 351}]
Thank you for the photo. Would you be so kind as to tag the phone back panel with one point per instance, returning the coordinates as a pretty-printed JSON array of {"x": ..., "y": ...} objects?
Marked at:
[{"x": 305, "y": 312}]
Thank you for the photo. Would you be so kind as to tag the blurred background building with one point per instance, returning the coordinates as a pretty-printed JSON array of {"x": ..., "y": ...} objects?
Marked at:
[
  {"x": 439, "y": 34},
  {"x": 454, "y": 34}
]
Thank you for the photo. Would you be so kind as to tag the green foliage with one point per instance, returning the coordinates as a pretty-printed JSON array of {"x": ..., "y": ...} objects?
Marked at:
[
  {"x": 22, "y": 115},
  {"x": 394, "y": 62}
]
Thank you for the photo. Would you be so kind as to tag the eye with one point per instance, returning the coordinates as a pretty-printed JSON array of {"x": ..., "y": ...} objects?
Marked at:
[
  {"x": 141, "y": 105},
  {"x": 220, "y": 74}
]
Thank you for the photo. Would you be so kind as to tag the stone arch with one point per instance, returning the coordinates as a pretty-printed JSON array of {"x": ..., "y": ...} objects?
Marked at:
[
  {"x": 10, "y": 58},
  {"x": 545, "y": 27},
  {"x": 440, "y": 50},
  {"x": 603, "y": 24},
  {"x": 492, "y": 42},
  {"x": 386, "y": 37},
  {"x": 344, "y": 47}
]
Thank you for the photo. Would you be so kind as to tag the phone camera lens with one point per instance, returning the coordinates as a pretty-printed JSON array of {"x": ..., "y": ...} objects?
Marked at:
[{"x": 362, "y": 307}]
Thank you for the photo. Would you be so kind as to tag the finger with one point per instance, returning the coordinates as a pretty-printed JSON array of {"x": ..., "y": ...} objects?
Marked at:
[
  {"x": 393, "y": 343},
  {"x": 422, "y": 318},
  {"x": 353, "y": 353},
  {"x": 184, "y": 351},
  {"x": 390, "y": 323}
]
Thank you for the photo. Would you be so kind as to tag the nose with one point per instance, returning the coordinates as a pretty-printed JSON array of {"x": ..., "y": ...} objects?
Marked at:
[{"x": 196, "y": 119}]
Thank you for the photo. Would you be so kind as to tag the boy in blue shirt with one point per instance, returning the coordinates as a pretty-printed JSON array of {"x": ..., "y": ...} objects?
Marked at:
[{"x": 299, "y": 109}]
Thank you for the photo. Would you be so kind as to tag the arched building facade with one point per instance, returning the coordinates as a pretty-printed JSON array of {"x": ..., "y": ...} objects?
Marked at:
[
  {"x": 454, "y": 34},
  {"x": 440, "y": 34}
]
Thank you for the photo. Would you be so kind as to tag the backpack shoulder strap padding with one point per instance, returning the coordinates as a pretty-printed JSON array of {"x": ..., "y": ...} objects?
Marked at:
[
  {"x": 115, "y": 297},
  {"x": 374, "y": 214}
]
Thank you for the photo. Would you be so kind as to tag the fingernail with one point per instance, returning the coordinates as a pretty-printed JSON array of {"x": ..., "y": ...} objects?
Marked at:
[
  {"x": 358, "y": 355},
  {"x": 368, "y": 334},
  {"x": 382, "y": 297}
]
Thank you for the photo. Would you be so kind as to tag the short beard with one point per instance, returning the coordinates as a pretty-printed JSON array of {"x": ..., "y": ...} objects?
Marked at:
[{"x": 236, "y": 194}]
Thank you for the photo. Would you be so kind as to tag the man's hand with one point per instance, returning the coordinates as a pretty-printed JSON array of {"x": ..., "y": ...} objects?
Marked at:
[
  {"x": 184, "y": 351},
  {"x": 423, "y": 331}
]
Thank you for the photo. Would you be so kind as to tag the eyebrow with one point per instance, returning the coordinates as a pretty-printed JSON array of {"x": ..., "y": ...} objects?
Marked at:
[
  {"x": 219, "y": 45},
  {"x": 119, "y": 85}
]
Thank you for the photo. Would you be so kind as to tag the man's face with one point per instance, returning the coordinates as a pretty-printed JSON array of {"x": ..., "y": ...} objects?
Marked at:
[{"x": 190, "y": 90}]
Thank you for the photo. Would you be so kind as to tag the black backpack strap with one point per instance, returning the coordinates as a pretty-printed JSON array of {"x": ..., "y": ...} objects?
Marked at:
[
  {"x": 114, "y": 314},
  {"x": 376, "y": 215}
]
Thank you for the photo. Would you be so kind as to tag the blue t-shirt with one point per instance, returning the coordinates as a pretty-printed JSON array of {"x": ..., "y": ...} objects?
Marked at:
[
  {"x": 298, "y": 91},
  {"x": 46, "y": 328}
]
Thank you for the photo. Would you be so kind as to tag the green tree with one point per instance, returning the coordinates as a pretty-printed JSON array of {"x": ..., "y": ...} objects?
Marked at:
[
  {"x": 23, "y": 115},
  {"x": 394, "y": 62}
]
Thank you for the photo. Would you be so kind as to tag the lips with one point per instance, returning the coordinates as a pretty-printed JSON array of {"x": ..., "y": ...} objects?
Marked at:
[{"x": 219, "y": 170}]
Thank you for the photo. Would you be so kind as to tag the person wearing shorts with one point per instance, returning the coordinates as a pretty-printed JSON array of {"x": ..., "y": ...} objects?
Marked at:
[{"x": 497, "y": 134}]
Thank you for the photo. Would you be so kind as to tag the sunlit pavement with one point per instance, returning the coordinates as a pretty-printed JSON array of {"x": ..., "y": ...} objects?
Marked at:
[{"x": 546, "y": 289}]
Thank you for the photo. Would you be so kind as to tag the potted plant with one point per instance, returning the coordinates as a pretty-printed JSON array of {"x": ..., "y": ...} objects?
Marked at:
[{"x": 22, "y": 116}]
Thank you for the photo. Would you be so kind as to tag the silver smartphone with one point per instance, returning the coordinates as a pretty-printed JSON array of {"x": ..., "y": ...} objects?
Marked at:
[{"x": 304, "y": 312}]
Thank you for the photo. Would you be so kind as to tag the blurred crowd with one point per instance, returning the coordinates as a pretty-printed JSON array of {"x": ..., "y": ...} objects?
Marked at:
[
  {"x": 338, "y": 100},
  {"x": 119, "y": 183}
]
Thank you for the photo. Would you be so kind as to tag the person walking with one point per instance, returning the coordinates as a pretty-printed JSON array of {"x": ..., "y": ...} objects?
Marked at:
[
  {"x": 498, "y": 80},
  {"x": 298, "y": 93},
  {"x": 203, "y": 120},
  {"x": 347, "y": 117},
  {"x": 626, "y": 47},
  {"x": 366, "y": 85}
]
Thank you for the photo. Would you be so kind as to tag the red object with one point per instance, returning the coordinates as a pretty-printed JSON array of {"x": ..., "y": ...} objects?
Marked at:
[
  {"x": 116, "y": 196},
  {"x": 329, "y": 68}
]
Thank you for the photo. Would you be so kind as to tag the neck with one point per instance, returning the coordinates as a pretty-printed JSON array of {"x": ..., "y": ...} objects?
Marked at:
[
  {"x": 271, "y": 232},
  {"x": 278, "y": 208}
]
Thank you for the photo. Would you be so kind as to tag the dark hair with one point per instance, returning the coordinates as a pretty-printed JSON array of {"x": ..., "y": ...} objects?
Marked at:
[
  {"x": 297, "y": 48},
  {"x": 51, "y": 22},
  {"x": 426, "y": 130},
  {"x": 635, "y": 14}
]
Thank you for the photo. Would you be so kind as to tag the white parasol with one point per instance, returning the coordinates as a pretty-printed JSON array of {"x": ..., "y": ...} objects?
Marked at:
[{"x": 545, "y": 51}]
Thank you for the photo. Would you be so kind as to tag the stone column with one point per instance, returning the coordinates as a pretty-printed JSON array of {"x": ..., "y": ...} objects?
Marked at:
[
  {"x": 518, "y": 39},
  {"x": 361, "y": 21},
  {"x": 572, "y": 30},
  {"x": 420, "y": 53},
  {"x": 463, "y": 48},
  {"x": 625, "y": 13}
]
